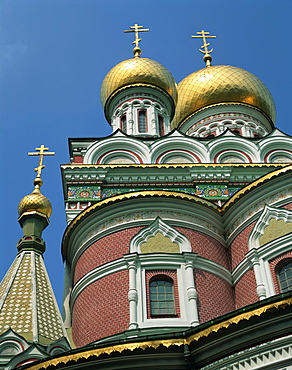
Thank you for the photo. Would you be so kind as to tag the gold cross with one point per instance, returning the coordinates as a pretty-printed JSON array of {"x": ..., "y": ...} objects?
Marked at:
[
  {"x": 136, "y": 29},
  {"x": 204, "y": 35},
  {"x": 41, "y": 152}
]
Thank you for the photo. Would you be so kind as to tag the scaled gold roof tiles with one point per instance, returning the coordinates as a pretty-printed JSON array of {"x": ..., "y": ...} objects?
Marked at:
[
  {"x": 135, "y": 71},
  {"x": 219, "y": 84}
]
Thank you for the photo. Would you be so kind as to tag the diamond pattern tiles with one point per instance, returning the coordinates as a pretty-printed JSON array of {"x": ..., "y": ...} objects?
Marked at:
[
  {"x": 49, "y": 322},
  {"x": 135, "y": 71},
  {"x": 219, "y": 84},
  {"x": 16, "y": 312},
  {"x": 29, "y": 306}
]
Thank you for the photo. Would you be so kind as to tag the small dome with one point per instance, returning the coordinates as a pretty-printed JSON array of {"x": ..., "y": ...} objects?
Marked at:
[
  {"x": 135, "y": 71},
  {"x": 35, "y": 202},
  {"x": 220, "y": 84}
]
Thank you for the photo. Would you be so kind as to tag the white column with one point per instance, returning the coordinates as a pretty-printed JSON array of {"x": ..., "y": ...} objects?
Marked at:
[
  {"x": 166, "y": 124},
  {"x": 153, "y": 129},
  {"x": 115, "y": 123},
  {"x": 130, "y": 122},
  {"x": 132, "y": 293},
  {"x": 192, "y": 294},
  {"x": 261, "y": 289}
]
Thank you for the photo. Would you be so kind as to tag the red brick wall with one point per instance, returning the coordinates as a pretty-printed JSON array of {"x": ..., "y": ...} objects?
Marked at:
[
  {"x": 102, "y": 309},
  {"x": 215, "y": 295},
  {"x": 106, "y": 249},
  {"x": 246, "y": 290},
  {"x": 273, "y": 265},
  {"x": 170, "y": 273},
  {"x": 288, "y": 206},
  {"x": 206, "y": 246},
  {"x": 239, "y": 246}
]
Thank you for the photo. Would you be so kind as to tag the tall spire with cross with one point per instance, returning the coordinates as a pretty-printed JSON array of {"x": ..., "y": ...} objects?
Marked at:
[
  {"x": 207, "y": 57},
  {"x": 136, "y": 28}
]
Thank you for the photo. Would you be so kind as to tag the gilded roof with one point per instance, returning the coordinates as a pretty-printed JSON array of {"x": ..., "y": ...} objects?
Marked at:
[
  {"x": 135, "y": 71},
  {"x": 35, "y": 202},
  {"x": 218, "y": 84}
]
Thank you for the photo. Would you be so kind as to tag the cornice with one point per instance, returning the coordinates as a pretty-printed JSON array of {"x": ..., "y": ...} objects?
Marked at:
[{"x": 177, "y": 339}]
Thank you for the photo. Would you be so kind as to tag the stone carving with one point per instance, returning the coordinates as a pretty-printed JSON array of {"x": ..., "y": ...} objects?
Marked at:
[{"x": 159, "y": 244}]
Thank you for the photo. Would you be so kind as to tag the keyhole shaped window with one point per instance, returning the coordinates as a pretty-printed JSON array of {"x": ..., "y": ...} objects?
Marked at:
[
  {"x": 142, "y": 121},
  {"x": 162, "y": 297},
  {"x": 285, "y": 276}
]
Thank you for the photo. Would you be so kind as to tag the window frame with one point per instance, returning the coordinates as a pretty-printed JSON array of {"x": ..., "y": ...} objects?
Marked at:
[
  {"x": 166, "y": 279},
  {"x": 160, "y": 122},
  {"x": 279, "y": 269},
  {"x": 139, "y": 125},
  {"x": 123, "y": 123}
]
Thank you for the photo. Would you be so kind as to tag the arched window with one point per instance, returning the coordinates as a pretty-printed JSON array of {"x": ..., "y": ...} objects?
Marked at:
[
  {"x": 160, "y": 125},
  {"x": 124, "y": 123},
  {"x": 142, "y": 121},
  {"x": 161, "y": 297},
  {"x": 284, "y": 274}
]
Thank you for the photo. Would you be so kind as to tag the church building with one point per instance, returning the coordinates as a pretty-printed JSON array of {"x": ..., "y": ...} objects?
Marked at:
[{"x": 178, "y": 249}]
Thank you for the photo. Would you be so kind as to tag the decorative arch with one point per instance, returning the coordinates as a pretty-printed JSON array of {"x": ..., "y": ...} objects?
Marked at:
[
  {"x": 273, "y": 156},
  {"x": 159, "y": 237},
  {"x": 192, "y": 148},
  {"x": 236, "y": 156},
  {"x": 127, "y": 155},
  {"x": 228, "y": 141},
  {"x": 272, "y": 224},
  {"x": 186, "y": 155},
  {"x": 113, "y": 146}
]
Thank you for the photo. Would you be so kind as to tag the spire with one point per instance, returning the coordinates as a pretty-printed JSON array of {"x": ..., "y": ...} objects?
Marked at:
[
  {"x": 34, "y": 210},
  {"x": 137, "y": 51},
  {"x": 207, "y": 57},
  {"x": 27, "y": 302}
]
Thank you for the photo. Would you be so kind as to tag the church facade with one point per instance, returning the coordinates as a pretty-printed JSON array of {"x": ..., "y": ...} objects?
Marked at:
[{"x": 178, "y": 249}]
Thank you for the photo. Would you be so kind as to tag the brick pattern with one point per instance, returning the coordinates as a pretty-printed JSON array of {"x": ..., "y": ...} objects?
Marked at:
[
  {"x": 239, "y": 246},
  {"x": 102, "y": 309},
  {"x": 273, "y": 266},
  {"x": 106, "y": 249},
  {"x": 149, "y": 274},
  {"x": 246, "y": 290},
  {"x": 215, "y": 295},
  {"x": 288, "y": 206},
  {"x": 206, "y": 246}
]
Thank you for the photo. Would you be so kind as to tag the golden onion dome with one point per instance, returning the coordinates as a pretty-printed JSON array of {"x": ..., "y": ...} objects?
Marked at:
[
  {"x": 35, "y": 202},
  {"x": 219, "y": 84},
  {"x": 136, "y": 71}
]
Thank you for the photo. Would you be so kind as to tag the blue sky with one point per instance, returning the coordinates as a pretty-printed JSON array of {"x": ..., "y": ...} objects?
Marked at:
[{"x": 55, "y": 54}]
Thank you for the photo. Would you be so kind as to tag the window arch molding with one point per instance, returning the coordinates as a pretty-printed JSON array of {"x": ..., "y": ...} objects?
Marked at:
[
  {"x": 130, "y": 156},
  {"x": 184, "y": 154},
  {"x": 222, "y": 156},
  {"x": 117, "y": 143},
  {"x": 270, "y": 156},
  {"x": 283, "y": 272},
  {"x": 159, "y": 226}
]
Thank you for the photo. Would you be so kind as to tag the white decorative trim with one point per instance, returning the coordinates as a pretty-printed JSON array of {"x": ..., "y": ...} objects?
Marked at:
[
  {"x": 159, "y": 226},
  {"x": 268, "y": 213},
  {"x": 260, "y": 255},
  {"x": 104, "y": 223},
  {"x": 273, "y": 355},
  {"x": 137, "y": 266}
]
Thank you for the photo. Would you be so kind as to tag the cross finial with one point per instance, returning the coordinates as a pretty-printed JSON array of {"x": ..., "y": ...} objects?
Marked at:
[
  {"x": 136, "y": 28},
  {"x": 41, "y": 152},
  {"x": 204, "y": 35}
]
